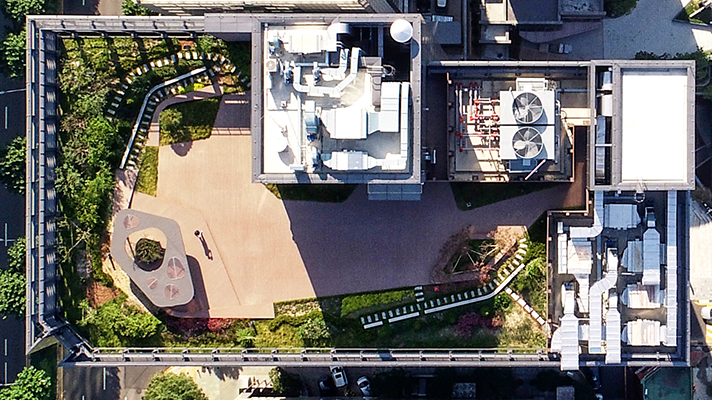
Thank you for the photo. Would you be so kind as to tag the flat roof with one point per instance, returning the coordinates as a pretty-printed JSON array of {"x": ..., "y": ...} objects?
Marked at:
[
  {"x": 644, "y": 114},
  {"x": 654, "y": 129}
]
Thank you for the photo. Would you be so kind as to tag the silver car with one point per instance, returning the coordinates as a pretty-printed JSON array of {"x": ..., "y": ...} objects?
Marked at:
[{"x": 339, "y": 376}]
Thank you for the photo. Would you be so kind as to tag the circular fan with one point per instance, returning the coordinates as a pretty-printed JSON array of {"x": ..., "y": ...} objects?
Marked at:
[
  {"x": 527, "y": 142},
  {"x": 527, "y": 108}
]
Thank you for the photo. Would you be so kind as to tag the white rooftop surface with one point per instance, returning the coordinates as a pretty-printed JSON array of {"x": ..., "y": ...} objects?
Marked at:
[
  {"x": 281, "y": 123},
  {"x": 654, "y": 126}
]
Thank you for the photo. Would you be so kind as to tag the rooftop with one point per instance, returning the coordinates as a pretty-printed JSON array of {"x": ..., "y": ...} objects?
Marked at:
[{"x": 337, "y": 99}]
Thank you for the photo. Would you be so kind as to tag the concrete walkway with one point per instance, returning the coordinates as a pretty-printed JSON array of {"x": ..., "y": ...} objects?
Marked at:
[
  {"x": 649, "y": 27},
  {"x": 200, "y": 94}
]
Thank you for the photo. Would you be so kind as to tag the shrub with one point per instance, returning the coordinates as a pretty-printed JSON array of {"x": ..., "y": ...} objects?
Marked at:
[
  {"x": 283, "y": 383},
  {"x": 148, "y": 251},
  {"x": 129, "y": 7},
  {"x": 355, "y": 302},
  {"x": 173, "y": 387},
  {"x": 219, "y": 324},
  {"x": 116, "y": 323},
  {"x": 467, "y": 322},
  {"x": 314, "y": 332},
  {"x": 502, "y": 302},
  {"x": 619, "y": 8},
  {"x": 171, "y": 124}
]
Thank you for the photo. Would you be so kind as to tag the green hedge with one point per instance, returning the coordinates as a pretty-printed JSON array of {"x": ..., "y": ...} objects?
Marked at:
[{"x": 352, "y": 303}]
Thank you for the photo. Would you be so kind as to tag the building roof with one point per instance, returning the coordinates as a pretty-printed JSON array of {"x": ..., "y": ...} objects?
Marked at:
[
  {"x": 654, "y": 131},
  {"x": 644, "y": 112}
]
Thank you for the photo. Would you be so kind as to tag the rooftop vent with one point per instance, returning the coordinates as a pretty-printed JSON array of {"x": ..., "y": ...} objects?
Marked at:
[{"x": 401, "y": 31}]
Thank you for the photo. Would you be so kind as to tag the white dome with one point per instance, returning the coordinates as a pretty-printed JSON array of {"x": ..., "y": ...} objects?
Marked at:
[{"x": 401, "y": 31}]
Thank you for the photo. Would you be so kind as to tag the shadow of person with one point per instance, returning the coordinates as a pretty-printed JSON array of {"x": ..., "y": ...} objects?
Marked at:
[
  {"x": 206, "y": 249},
  {"x": 182, "y": 148}
]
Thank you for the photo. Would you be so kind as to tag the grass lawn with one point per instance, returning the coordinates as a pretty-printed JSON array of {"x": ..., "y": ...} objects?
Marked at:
[
  {"x": 46, "y": 360},
  {"x": 197, "y": 119},
  {"x": 469, "y": 196},
  {"x": 328, "y": 193},
  {"x": 355, "y": 302},
  {"x": 147, "y": 181}
]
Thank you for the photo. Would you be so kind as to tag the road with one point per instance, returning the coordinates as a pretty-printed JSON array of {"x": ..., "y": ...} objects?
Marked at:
[{"x": 12, "y": 225}]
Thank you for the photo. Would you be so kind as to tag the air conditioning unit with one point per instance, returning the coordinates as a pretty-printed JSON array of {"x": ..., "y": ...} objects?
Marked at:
[
  {"x": 521, "y": 142},
  {"x": 527, "y": 108},
  {"x": 527, "y": 127}
]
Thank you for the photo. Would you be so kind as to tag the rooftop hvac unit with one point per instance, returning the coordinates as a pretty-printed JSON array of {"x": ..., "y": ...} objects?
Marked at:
[
  {"x": 527, "y": 142},
  {"x": 271, "y": 65},
  {"x": 527, "y": 108}
]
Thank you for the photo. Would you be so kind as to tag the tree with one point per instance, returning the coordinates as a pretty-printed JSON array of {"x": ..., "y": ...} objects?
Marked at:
[
  {"x": 12, "y": 293},
  {"x": 13, "y": 54},
  {"x": 148, "y": 251},
  {"x": 16, "y": 256},
  {"x": 173, "y": 387},
  {"x": 12, "y": 165},
  {"x": 284, "y": 383},
  {"x": 30, "y": 384},
  {"x": 116, "y": 324},
  {"x": 129, "y": 7},
  {"x": 171, "y": 123},
  {"x": 18, "y": 9}
]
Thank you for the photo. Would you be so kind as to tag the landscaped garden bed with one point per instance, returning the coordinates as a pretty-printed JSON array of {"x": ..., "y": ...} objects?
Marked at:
[
  {"x": 91, "y": 143},
  {"x": 188, "y": 121}
]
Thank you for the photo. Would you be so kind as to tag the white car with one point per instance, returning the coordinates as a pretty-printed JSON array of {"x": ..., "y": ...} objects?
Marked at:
[
  {"x": 706, "y": 313},
  {"x": 339, "y": 376},
  {"x": 365, "y": 386}
]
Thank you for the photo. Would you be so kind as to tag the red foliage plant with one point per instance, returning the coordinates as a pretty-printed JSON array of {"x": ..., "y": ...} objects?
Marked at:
[
  {"x": 187, "y": 326},
  {"x": 218, "y": 324},
  {"x": 470, "y": 320}
]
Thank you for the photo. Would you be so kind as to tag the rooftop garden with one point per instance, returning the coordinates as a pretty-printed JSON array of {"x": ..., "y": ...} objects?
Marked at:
[
  {"x": 92, "y": 141},
  {"x": 93, "y": 72}
]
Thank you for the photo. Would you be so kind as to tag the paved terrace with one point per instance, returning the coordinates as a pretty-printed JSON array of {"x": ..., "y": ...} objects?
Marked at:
[{"x": 271, "y": 251}]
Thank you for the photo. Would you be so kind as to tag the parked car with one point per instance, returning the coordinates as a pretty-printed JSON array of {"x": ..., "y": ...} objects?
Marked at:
[
  {"x": 365, "y": 386},
  {"x": 337, "y": 373},
  {"x": 560, "y": 48},
  {"x": 327, "y": 387}
]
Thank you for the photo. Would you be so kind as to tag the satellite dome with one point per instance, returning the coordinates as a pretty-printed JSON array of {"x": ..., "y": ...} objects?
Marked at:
[{"x": 401, "y": 31}]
